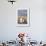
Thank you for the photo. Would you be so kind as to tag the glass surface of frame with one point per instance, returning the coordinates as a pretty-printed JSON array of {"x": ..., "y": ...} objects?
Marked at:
[{"x": 22, "y": 17}]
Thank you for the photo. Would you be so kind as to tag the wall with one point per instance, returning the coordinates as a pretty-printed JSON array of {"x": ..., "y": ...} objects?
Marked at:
[{"x": 37, "y": 29}]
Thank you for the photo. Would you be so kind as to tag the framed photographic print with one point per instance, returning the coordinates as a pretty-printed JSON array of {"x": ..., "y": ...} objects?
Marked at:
[{"x": 22, "y": 17}]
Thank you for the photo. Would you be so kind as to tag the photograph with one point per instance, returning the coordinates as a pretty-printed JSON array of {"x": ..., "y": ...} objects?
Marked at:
[{"x": 22, "y": 16}]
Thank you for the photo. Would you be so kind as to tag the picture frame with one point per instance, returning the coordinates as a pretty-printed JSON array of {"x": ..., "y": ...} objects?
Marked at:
[{"x": 22, "y": 17}]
